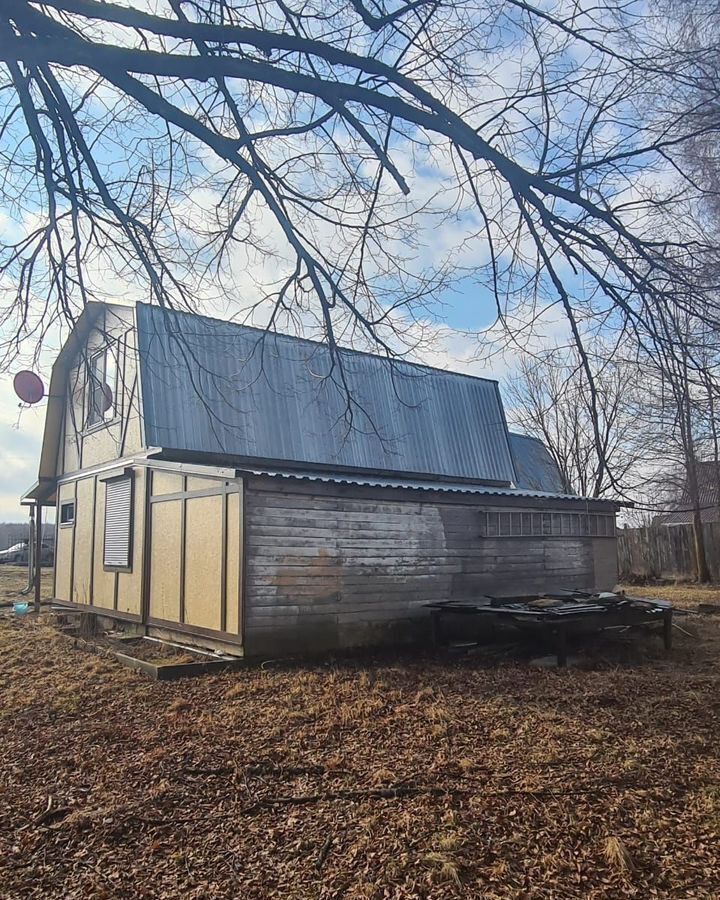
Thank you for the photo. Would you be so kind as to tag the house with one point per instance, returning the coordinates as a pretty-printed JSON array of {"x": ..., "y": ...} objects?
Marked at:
[
  {"x": 680, "y": 511},
  {"x": 535, "y": 469},
  {"x": 232, "y": 486}
]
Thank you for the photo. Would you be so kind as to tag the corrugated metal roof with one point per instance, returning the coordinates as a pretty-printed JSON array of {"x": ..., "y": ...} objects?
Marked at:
[
  {"x": 708, "y": 495},
  {"x": 417, "y": 484},
  {"x": 534, "y": 467},
  {"x": 218, "y": 387}
]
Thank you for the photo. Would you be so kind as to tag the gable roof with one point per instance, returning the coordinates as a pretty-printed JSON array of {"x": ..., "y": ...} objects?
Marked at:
[
  {"x": 231, "y": 391},
  {"x": 535, "y": 469},
  {"x": 708, "y": 492}
]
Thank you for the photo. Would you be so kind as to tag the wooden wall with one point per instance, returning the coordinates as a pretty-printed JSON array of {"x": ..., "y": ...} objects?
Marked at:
[
  {"x": 80, "y": 575},
  {"x": 289, "y": 569},
  {"x": 666, "y": 551},
  {"x": 194, "y": 548},
  {"x": 80, "y": 446},
  {"x": 188, "y": 557},
  {"x": 340, "y": 567}
]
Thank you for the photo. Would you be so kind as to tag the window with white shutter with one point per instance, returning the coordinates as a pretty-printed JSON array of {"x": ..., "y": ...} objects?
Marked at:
[{"x": 118, "y": 523}]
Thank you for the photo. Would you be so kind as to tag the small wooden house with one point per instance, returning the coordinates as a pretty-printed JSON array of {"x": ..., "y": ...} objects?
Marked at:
[{"x": 235, "y": 487}]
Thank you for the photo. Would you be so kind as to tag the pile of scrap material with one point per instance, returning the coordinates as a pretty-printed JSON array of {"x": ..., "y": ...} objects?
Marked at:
[{"x": 560, "y": 613}]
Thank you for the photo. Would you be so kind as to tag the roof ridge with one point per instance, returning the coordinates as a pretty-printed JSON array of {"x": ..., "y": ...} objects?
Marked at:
[{"x": 316, "y": 343}]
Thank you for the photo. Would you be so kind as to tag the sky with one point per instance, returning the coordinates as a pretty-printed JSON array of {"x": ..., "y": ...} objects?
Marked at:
[
  {"x": 463, "y": 310},
  {"x": 21, "y": 427}
]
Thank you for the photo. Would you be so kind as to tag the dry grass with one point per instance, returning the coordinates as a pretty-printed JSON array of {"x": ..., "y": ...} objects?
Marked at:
[
  {"x": 685, "y": 595},
  {"x": 618, "y": 855},
  {"x": 12, "y": 578},
  {"x": 386, "y": 777}
]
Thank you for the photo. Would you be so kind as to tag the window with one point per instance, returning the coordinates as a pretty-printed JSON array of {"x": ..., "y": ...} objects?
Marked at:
[
  {"x": 528, "y": 524},
  {"x": 118, "y": 523},
  {"x": 67, "y": 513},
  {"x": 102, "y": 386}
]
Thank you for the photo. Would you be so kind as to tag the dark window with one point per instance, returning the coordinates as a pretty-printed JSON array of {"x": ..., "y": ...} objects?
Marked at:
[
  {"x": 118, "y": 523},
  {"x": 102, "y": 386},
  {"x": 526, "y": 524},
  {"x": 67, "y": 513}
]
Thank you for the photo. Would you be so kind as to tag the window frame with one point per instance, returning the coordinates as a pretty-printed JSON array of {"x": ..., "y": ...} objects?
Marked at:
[
  {"x": 112, "y": 350},
  {"x": 108, "y": 567},
  {"x": 67, "y": 523},
  {"x": 546, "y": 524}
]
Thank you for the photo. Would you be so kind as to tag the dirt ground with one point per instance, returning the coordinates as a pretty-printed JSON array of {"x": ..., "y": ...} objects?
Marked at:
[
  {"x": 395, "y": 776},
  {"x": 13, "y": 578}
]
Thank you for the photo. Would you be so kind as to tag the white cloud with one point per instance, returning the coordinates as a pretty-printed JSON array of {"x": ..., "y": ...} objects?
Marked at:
[{"x": 20, "y": 439}]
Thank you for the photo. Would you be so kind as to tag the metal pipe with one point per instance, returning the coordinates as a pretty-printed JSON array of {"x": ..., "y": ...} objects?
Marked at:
[
  {"x": 38, "y": 555},
  {"x": 30, "y": 552}
]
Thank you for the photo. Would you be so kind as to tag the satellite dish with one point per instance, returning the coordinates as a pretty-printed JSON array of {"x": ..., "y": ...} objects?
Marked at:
[{"x": 29, "y": 387}]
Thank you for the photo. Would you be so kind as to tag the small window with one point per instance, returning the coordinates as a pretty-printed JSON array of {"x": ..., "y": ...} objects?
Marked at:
[
  {"x": 102, "y": 387},
  {"x": 67, "y": 513},
  {"x": 117, "y": 552}
]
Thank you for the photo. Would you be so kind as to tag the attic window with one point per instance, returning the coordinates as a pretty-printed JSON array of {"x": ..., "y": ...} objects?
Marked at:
[
  {"x": 117, "y": 552},
  {"x": 102, "y": 386}
]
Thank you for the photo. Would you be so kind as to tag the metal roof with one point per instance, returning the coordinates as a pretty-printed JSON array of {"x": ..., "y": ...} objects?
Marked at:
[
  {"x": 218, "y": 387},
  {"x": 418, "y": 484},
  {"x": 708, "y": 490},
  {"x": 534, "y": 467}
]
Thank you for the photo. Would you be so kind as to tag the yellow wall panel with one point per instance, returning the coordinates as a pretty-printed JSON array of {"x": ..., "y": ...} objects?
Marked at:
[
  {"x": 165, "y": 560},
  {"x": 64, "y": 546},
  {"x": 166, "y": 483},
  {"x": 103, "y": 582},
  {"x": 203, "y": 562},
  {"x": 84, "y": 517},
  {"x": 130, "y": 583},
  {"x": 200, "y": 483},
  {"x": 233, "y": 563}
]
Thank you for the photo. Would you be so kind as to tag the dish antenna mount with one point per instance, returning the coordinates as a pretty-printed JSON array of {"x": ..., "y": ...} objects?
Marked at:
[{"x": 29, "y": 387}]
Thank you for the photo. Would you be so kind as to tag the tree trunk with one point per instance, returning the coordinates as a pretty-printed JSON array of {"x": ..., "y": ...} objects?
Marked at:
[
  {"x": 701, "y": 567},
  {"x": 702, "y": 573}
]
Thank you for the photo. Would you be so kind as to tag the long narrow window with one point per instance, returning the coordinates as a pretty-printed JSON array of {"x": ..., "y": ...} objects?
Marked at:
[
  {"x": 526, "y": 524},
  {"x": 102, "y": 386},
  {"x": 118, "y": 523}
]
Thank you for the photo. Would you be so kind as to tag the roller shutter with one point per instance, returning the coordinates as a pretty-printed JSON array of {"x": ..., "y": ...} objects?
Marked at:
[{"x": 118, "y": 522}]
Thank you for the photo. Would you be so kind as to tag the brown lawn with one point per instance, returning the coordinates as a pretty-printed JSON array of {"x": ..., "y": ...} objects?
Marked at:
[{"x": 385, "y": 777}]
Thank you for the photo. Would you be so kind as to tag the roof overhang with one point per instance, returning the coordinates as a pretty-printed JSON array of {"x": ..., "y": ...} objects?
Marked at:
[
  {"x": 41, "y": 492},
  {"x": 416, "y": 484}
]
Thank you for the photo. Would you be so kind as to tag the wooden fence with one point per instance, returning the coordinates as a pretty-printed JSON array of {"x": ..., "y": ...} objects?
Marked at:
[{"x": 665, "y": 551}]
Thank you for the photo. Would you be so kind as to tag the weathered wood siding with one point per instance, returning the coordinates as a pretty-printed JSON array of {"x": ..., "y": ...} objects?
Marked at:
[
  {"x": 666, "y": 551},
  {"x": 341, "y": 568}
]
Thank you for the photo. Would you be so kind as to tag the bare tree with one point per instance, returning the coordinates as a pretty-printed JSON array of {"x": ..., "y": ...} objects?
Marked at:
[
  {"x": 152, "y": 145},
  {"x": 677, "y": 414},
  {"x": 549, "y": 398}
]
